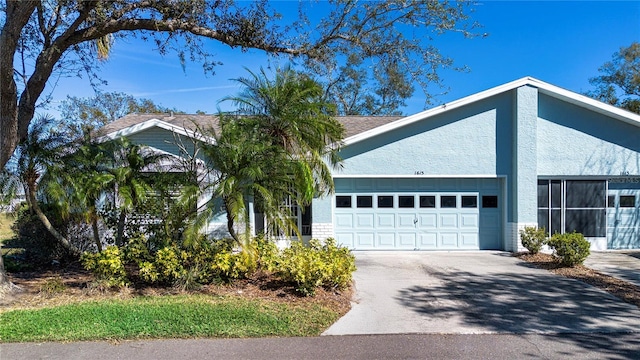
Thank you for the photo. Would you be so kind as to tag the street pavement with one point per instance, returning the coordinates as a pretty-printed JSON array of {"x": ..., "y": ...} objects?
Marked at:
[{"x": 366, "y": 347}]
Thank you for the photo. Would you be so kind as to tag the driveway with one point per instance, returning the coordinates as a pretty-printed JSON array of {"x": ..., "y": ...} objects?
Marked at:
[
  {"x": 624, "y": 265},
  {"x": 474, "y": 293}
]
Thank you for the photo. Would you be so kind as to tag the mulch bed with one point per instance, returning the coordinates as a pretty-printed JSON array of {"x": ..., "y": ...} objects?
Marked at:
[
  {"x": 626, "y": 291},
  {"x": 78, "y": 286}
]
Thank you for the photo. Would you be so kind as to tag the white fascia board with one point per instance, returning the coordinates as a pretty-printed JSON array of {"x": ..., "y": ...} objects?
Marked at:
[
  {"x": 545, "y": 88},
  {"x": 437, "y": 176},
  {"x": 133, "y": 129}
]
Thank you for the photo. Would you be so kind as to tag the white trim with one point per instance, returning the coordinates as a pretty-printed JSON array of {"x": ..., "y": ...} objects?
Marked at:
[
  {"x": 136, "y": 128},
  {"x": 346, "y": 176},
  {"x": 545, "y": 88}
]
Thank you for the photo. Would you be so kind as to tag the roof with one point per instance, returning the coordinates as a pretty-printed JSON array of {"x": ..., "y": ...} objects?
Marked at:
[
  {"x": 188, "y": 124},
  {"x": 543, "y": 87},
  {"x": 359, "y": 128}
]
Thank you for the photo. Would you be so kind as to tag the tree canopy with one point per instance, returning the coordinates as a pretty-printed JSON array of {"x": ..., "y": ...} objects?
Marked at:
[
  {"x": 619, "y": 81},
  {"x": 388, "y": 43}
]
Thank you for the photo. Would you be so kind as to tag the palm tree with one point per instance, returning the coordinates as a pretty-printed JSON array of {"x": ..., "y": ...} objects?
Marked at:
[
  {"x": 289, "y": 113},
  {"x": 39, "y": 153}
]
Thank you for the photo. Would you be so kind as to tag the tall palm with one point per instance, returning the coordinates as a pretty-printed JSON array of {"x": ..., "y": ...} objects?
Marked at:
[{"x": 289, "y": 112}]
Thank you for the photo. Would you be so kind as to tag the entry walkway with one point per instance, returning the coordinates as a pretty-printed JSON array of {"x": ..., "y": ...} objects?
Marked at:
[
  {"x": 622, "y": 265},
  {"x": 474, "y": 292}
]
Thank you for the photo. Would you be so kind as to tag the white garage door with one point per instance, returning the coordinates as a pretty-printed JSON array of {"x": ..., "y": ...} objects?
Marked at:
[{"x": 408, "y": 219}]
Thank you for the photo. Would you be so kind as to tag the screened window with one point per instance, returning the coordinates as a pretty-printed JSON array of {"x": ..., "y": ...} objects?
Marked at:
[
  {"x": 343, "y": 201},
  {"x": 364, "y": 201},
  {"x": 575, "y": 205},
  {"x": 406, "y": 201},
  {"x": 611, "y": 201},
  {"x": 448, "y": 201},
  {"x": 385, "y": 201},
  {"x": 469, "y": 201},
  {"x": 427, "y": 201}
]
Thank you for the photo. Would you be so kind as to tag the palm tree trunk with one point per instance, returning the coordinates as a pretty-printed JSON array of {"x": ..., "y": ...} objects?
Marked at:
[
  {"x": 231, "y": 222},
  {"x": 33, "y": 204},
  {"x": 6, "y": 286},
  {"x": 120, "y": 231},
  {"x": 96, "y": 232}
]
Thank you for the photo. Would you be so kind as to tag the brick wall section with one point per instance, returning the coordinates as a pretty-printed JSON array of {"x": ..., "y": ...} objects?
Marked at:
[
  {"x": 514, "y": 244},
  {"x": 322, "y": 231}
]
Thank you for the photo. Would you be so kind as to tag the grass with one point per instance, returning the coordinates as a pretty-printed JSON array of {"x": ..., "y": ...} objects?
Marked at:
[
  {"x": 180, "y": 316},
  {"x": 6, "y": 220}
]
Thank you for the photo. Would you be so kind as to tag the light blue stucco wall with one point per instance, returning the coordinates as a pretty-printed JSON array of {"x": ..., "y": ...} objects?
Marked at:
[
  {"x": 523, "y": 204},
  {"x": 574, "y": 141},
  {"x": 473, "y": 140}
]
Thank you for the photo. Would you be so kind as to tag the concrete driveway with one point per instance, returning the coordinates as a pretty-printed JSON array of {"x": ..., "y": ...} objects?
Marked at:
[
  {"x": 624, "y": 265},
  {"x": 474, "y": 292}
]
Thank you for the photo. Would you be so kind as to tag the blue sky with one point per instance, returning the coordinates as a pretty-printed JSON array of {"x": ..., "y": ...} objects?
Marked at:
[{"x": 562, "y": 43}]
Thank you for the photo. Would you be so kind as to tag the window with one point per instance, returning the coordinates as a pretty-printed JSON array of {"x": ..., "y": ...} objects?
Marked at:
[
  {"x": 469, "y": 201},
  {"x": 427, "y": 201},
  {"x": 385, "y": 201},
  {"x": 627, "y": 201},
  {"x": 490, "y": 201},
  {"x": 611, "y": 201},
  {"x": 343, "y": 201},
  {"x": 573, "y": 205},
  {"x": 364, "y": 201},
  {"x": 448, "y": 202},
  {"x": 406, "y": 201}
]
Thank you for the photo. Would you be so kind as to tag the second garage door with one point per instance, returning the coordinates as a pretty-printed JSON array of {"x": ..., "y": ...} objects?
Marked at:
[{"x": 417, "y": 214}]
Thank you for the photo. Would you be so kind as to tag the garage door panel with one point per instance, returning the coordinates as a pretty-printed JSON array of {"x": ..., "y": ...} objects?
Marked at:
[
  {"x": 344, "y": 221},
  {"x": 469, "y": 240},
  {"x": 448, "y": 240},
  {"x": 364, "y": 221},
  {"x": 406, "y": 221},
  {"x": 468, "y": 221},
  {"x": 428, "y": 221},
  {"x": 449, "y": 221},
  {"x": 386, "y": 221},
  {"x": 407, "y": 240},
  {"x": 364, "y": 240},
  {"x": 428, "y": 241},
  {"x": 386, "y": 240},
  {"x": 345, "y": 239}
]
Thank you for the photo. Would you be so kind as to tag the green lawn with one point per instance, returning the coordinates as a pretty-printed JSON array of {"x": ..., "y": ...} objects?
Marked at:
[
  {"x": 181, "y": 316},
  {"x": 5, "y": 226}
]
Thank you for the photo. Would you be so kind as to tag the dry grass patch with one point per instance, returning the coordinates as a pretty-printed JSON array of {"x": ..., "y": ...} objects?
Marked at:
[{"x": 626, "y": 291}]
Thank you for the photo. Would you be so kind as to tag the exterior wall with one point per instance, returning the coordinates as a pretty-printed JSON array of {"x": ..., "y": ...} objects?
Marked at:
[
  {"x": 162, "y": 139},
  {"x": 523, "y": 209},
  {"x": 322, "y": 231},
  {"x": 440, "y": 146},
  {"x": 573, "y": 141}
]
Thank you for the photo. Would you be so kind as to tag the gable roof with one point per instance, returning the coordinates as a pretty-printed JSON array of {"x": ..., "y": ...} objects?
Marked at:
[
  {"x": 188, "y": 124},
  {"x": 543, "y": 87}
]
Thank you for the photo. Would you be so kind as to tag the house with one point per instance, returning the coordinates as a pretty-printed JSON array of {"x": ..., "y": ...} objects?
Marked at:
[{"x": 469, "y": 174}]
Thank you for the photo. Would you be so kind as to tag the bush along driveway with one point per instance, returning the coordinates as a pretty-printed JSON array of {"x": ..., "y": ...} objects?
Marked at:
[{"x": 475, "y": 292}]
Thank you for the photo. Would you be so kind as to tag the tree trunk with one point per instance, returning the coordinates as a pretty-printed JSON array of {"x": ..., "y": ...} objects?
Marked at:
[
  {"x": 6, "y": 286},
  {"x": 52, "y": 230},
  {"x": 231, "y": 223},
  {"x": 120, "y": 231},
  {"x": 96, "y": 232}
]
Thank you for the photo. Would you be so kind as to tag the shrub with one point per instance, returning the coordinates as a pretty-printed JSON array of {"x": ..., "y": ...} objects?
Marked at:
[
  {"x": 268, "y": 254},
  {"x": 571, "y": 248},
  {"x": 533, "y": 238},
  {"x": 107, "y": 266},
  {"x": 316, "y": 265}
]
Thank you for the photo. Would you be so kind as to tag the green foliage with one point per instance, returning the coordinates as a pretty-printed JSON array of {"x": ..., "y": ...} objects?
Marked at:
[
  {"x": 268, "y": 254},
  {"x": 533, "y": 238},
  {"x": 41, "y": 249},
  {"x": 619, "y": 81},
  {"x": 571, "y": 248},
  {"x": 317, "y": 265},
  {"x": 107, "y": 266}
]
